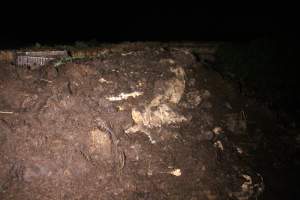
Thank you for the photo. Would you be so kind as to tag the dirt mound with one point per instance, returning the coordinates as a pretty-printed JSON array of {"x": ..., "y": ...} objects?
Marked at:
[{"x": 72, "y": 132}]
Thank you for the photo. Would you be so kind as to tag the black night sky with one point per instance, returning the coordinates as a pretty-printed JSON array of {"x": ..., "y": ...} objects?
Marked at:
[{"x": 108, "y": 24}]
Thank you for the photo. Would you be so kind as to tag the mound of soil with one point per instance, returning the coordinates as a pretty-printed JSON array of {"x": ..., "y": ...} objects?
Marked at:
[{"x": 140, "y": 124}]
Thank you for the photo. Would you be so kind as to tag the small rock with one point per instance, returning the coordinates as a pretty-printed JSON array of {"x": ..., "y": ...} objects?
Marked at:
[
  {"x": 239, "y": 150},
  {"x": 217, "y": 130},
  {"x": 168, "y": 60},
  {"x": 218, "y": 144},
  {"x": 100, "y": 143},
  {"x": 175, "y": 172}
]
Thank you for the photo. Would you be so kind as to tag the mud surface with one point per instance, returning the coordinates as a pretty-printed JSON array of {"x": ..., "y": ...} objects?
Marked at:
[{"x": 147, "y": 123}]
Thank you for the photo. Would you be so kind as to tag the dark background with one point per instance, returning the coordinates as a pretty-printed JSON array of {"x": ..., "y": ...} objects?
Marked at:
[{"x": 48, "y": 23}]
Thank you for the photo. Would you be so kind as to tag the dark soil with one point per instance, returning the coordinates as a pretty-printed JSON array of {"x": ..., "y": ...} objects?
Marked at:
[{"x": 62, "y": 138}]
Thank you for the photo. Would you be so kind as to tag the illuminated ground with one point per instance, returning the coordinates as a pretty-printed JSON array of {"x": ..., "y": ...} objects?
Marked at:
[{"x": 147, "y": 123}]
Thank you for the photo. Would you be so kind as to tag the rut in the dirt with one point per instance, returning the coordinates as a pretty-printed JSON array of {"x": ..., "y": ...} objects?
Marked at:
[{"x": 147, "y": 123}]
